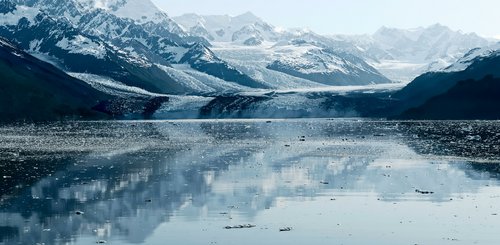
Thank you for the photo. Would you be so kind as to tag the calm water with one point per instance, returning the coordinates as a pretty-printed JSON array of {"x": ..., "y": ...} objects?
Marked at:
[{"x": 186, "y": 182}]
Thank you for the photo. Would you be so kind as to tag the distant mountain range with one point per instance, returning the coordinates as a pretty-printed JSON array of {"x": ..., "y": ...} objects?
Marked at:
[
  {"x": 404, "y": 54},
  {"x": 128, "y": 58},
  {"x": 398, "y": 54},
  {"x": 246, "y": 29},
  {"x": 84, "y": 39},
  {"x": 247, "y": 40}
]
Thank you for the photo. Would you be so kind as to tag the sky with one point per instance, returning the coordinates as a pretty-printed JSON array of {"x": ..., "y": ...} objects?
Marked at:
[{"x": 354, "y": 16}]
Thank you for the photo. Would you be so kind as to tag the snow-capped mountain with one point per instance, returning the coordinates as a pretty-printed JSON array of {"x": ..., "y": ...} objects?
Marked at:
[
  {"x": 140, "y": 11},
  {"x": 33, "y": 89},
  {"x": 91, "y": 37},
  {"x": 431, "y": 44},
  {"x": 137, "y": 10},
  {"x": 472, "y": 56},
  {"x": 399, "y": 54},
  {"x": 404, "y": 54},
  {"x": 268, "y": 53},
  {"x": 325, "y": 66},
  {"x": 57, "y": 41},
  {"x": 245, "y": 29}
]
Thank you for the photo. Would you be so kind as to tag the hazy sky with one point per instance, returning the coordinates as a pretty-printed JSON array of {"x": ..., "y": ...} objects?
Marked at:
[{"x": 354, "y": 16}]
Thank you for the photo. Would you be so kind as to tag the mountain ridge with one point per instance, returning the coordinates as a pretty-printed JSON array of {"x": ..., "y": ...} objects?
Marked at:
[
  {"x": 139, "y": 48},
  {"x": 301, "y": 54},
  {"x": 403, "y": 54},
  {"x": 240, "y": 58}
]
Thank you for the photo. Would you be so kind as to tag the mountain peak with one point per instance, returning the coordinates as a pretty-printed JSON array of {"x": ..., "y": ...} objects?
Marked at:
[
  {"x": 438, "y": 27},
  {"x": 248, "y": 17},
  {"x": 386, "y": 28},
  {"x": 138, "y": 10},
  {"x": 434, "y": 27},
  {"x": 383, "y": 28},
  {"x": 226, "y": 28},
  {"x": 387, "y": 31},
  {"x": 101, "y": 4},
  {"x": 190, "y": 15}
]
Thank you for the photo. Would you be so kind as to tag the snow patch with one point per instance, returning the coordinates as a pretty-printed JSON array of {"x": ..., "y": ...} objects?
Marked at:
[
  {"x": 12, "y": 18},
  {"x": 82, "y": 45},
  {"x": 178, "y": 52}
]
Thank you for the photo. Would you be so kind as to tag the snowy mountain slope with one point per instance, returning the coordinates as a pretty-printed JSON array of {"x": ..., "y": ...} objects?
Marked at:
[
  {"x": 217, "y": 85},
  {"x": 140, "y": 11},
  {"x": 279, "y": 55},
  {"x": 254, "y": 61},
  {"x": 245, "y": 29},
  {"x": 298, "y": 64},
  {"x": 404, "y": 54},
  {"x": 75, "y": 51},
  {"x": 100, "y": 20},
  {"x": 112, "y": 87},
  {"x": 473, "y": 55},
  {"x": 324, "y": 66},
  {"x": 128, "y": 50},
  {"x": 203, "y": 59},
  {"x": 137, "y": 10},
  {"x": 427, "y": 44},
  {"x": 194, "y": 81}
]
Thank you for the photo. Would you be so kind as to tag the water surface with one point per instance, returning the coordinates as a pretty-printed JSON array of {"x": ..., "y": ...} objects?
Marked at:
[{"x": 318, "y": 181}]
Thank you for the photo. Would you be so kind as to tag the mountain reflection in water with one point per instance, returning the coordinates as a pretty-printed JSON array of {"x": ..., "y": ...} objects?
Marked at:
[{"x": 182, "y": 182}]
